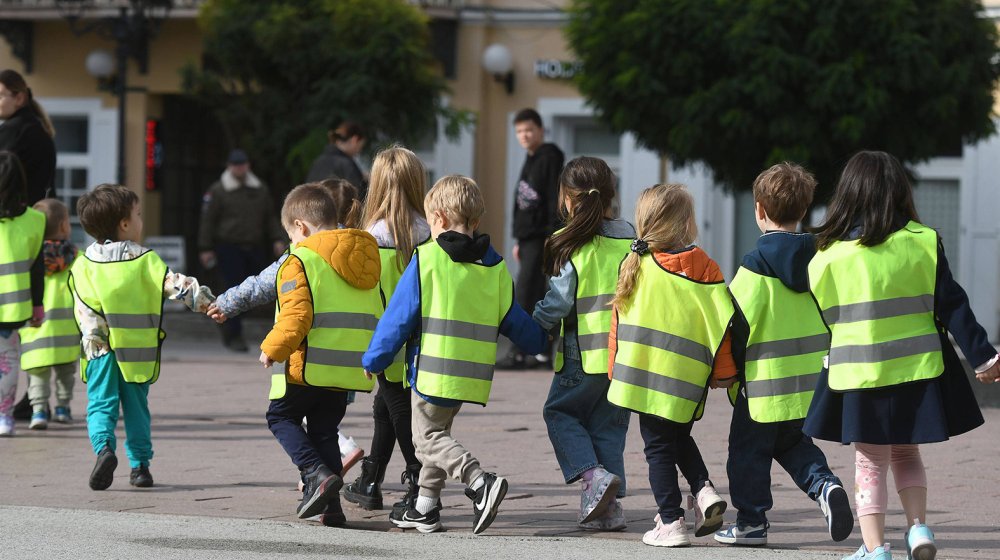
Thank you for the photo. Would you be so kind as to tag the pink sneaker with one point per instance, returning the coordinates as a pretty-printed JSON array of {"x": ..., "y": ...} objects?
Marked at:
[
  {"x": 672, "y": 535},
  {"x": 709, "y": 510}
]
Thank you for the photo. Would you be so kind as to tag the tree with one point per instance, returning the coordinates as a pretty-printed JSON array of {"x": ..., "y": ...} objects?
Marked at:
[
  {"x": 280, "y": 73},
  {"x": 742, "y": 84}
]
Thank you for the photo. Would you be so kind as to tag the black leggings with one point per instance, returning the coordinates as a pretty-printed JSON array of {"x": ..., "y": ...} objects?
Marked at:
[
  {"x": 391, "y": 410},
  {"x": 669, "y": 447}
]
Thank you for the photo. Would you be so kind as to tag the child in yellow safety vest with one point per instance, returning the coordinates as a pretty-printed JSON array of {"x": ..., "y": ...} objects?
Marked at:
[
  {"x": 22, "y": 275},
  {"x": 53, "y": 347},
  {"x": 669, "y": 342},
  {"x": 587, "y": 432},
  {"x": 891, "y": 379}
]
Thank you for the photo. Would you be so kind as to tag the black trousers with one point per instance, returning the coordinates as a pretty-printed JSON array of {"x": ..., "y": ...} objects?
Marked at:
[
  {"x": 317, "y": 442},
  {"x": 669, "y": 446},
  {"x": 531, "y": 285},
  {"x": 236, "y": 263},
  {"x": 391, "y": 411}
]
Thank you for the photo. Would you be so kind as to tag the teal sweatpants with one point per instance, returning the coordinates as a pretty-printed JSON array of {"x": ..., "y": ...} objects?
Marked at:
[{"x": 107, "y": 390}]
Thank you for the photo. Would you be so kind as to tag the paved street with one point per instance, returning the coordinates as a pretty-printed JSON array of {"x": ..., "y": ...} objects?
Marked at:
[{"x": 225, "y": 488}]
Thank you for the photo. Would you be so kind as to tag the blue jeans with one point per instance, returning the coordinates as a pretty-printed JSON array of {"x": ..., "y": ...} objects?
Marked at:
[
  {"x": 752, "y": 446},
  {"x": 317, "y": 443},
  {"x": 107, "y": 390},
  {"x": 586, "y": 430}
]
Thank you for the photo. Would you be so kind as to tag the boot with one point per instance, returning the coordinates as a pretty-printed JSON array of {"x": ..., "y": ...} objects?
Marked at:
[
  {"x": 366, "y": 491},
  {"x": 410, "y": 477}
]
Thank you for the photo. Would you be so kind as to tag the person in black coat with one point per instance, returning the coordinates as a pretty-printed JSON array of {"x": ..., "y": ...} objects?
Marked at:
[
  {"x": 28, "y": 133},
  {"x": 337, "y": 160}
]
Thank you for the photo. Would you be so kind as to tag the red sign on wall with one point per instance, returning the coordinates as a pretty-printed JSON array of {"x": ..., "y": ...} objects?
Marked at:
[{"x": 154, "y": 154}]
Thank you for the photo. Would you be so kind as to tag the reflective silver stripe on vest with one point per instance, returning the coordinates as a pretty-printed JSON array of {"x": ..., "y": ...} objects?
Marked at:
[
  {"x": 459, "y": 329},
  {"x": 455, "y": 368},
  {"x": 657, "y": 382},
  {"x": 19, "y": 267},
  {"x": 59, "y": 314},
  {"x": 336, "y": 358},
  {"x": 66, "y": 341},
  {"x": 789, "y": 347},
  {"x": 344, "y": 320},
  {"x": 594, "y": 303},
  {"x": 132, "y": 321},
  {"x": 784, "y": 386},
  {"x": 884, "y": 351},
  {"x": 137, "y": 354},
  {"x": 882, "y": 309},
  {"x": 665, "y": 341},
  {"x": 15, "y": 297},
  {"x": 596, "y": 341}
]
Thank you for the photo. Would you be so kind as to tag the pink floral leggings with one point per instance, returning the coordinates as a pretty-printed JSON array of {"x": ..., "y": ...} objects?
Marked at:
[
  {"x": 872, "y": 463},
  {"x": 10, "y": 368}
]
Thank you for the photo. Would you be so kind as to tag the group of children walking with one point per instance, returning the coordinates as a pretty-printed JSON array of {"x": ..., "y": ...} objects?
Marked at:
[{"x": 840, "y": 336}]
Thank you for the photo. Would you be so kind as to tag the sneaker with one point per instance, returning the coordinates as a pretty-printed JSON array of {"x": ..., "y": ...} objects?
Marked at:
[
  {"x": 140, "y": 477},
  {"x": 486, "y": 501},
  {"x": 320, "y": 485},
  {"x": 880, "y": 553},
  {"x": 836, "y": 508},
  {"x": 673, "y": 535},
  {"x": 708, "y": 508},
  {"x": 63, "y": 415},
  {"x": 6, "y": 425},
  {"x": 412, "y": 519},
  {"x": 612, "y": 520},
  {"x": 39, "y": 420},
  {"x": 743, "y": 535},
  {"x": 333, "y": 516},
  {"x": 350, "y": 454},
  {"x": 104, "y": 469},
  {"x": 920, "y": 542},
  {"x": 598, "y": 493},
  {"x": 513, "y": 360}
]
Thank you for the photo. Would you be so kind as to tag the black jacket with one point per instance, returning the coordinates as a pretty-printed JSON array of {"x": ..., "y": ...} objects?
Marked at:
[
  {"x": 536, "y": 201},
  {"x": 24, "y": 135},
  {"x": 335, "y": 163}
]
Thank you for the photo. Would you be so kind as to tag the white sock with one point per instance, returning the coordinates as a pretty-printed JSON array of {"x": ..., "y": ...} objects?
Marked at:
[
  {"x": 478, "y": 483},
  {"x": 425, "y": 504}
]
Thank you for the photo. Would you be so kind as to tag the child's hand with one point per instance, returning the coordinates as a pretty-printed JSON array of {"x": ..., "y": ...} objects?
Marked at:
[
  {"x": 991, "y": 375},
  {"x": 372, "y": 374},
  {"x": 216, "y": 314},
  {"x": 722, "y": 383},
  {"x": 37, "y": 316},
  {"x": 266, "y": 360}
]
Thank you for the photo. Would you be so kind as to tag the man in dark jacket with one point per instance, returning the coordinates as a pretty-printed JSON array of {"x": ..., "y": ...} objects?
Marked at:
[
  {"x": 536, "y": 216},
  {"x": 337, "y": 160},
  {"x": 238, "y": 228}
]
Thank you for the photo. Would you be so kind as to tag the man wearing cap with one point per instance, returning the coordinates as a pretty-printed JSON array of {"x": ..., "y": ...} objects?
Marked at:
[{"x": 239, "y": 228}]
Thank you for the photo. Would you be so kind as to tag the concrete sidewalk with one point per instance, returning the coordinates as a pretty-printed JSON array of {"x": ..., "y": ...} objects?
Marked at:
[{"x": 215, "y": 458}]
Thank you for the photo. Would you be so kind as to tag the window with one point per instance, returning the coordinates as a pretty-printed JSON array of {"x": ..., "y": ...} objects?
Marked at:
[{"x": 937, "y": 202}]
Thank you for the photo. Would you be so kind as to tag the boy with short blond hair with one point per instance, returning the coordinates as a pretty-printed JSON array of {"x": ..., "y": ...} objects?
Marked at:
[
  {"x": 118, "y": 288},
  {"x": 453, "y": 300},
  {"x": 779, "y": 340},
  {"x": 328, "y": 305}
]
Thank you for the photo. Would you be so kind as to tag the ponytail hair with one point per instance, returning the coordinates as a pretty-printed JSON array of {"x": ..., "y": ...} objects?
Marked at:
[
  {"x": 13, "y": 186},
  {"x": 348, "y": 205},
  {"x": 395, "y": 192},
  {"x": 14, "y": 82},
  {"x": 588, "y": 184},
  {"x": 664, "y": 221}
]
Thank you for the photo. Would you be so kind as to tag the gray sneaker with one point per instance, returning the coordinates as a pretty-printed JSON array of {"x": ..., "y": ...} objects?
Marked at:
[
  {"x": 598, "y": 494},
  {"x": 612, "y": 520}
]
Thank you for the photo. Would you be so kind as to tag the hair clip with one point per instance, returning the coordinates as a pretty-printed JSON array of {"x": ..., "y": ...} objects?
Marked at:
[
  {"x": 593, "y": 191},
  {"x": 640, "y": 246}
]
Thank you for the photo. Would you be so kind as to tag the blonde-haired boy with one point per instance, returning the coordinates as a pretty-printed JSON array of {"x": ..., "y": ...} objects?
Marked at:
[{"x": 452, "y": 302}]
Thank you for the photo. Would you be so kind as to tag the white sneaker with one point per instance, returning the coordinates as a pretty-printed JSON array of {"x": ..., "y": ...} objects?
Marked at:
[
  {"x": 708, "y": 508},
  {"x": 612, "y": 520},
  {"x": 6, "y": 425},
  {"x": 350, "y": 453},
  {"x": 672, "y": 535}
]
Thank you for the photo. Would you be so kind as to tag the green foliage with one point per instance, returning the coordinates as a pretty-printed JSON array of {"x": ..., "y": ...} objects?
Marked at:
[
  {"x": 280, "y": 73},
  {"x": 742, "y": 84}
]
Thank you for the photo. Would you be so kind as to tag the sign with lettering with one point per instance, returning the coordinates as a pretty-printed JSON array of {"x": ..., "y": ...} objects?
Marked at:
[
  {"x": 171, "y": 250},
  {"x": 557, "y": 69}
]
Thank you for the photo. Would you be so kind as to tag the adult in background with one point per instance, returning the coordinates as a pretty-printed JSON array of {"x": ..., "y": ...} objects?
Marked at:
[
  {"x": 536, "y": 217},
  {"x": 27, "y": 132},
  {"x": 347, "y": 140},
  {"x": 239, "y": 229}
]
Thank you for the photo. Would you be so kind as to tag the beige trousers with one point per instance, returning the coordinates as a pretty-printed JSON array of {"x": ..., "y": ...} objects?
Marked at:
[{"x": 441, "y": 455}]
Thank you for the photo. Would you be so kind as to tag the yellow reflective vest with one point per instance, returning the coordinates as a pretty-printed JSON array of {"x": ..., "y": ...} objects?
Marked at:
[
  {"x": 879, "y": 305},
  {"x": 57, "y": 340},
  {"x": 667, "y": 339},
  {"x": 461, "y": 308},
  {"x": 20, "y": 242}
]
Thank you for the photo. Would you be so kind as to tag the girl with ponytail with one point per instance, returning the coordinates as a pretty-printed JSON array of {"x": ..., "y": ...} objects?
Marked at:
[
  {"x": 669, "y": 342},
  {"x": 27, "y": 131},
  {"x": 587, "y": 432}
]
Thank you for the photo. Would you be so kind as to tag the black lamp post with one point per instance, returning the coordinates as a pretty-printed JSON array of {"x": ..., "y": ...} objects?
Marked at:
[{"x": 135, "y": 24}]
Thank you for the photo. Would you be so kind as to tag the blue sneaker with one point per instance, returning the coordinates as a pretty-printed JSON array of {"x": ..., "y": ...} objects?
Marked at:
[
  {"x": 920, "y": 542},
  {"x": 880, "y": 553},
  {"x": 63, "y": 415},
  {"x": 743, "y": 535},
  {"x": 836, "y": 508},
  {"x": 39, "y": 420}
]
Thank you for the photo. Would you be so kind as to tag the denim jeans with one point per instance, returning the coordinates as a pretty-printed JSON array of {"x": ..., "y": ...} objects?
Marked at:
[
  {"x": 586, "y": 430},
  {"x": 752, "y": 446},
  {"x": 669, "y": 447}
]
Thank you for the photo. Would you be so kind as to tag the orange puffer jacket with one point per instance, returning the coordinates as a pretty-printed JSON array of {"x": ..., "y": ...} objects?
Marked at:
[{"x": 353, "y": 254}]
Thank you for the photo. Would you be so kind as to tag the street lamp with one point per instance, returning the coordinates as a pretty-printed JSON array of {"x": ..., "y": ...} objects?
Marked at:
[
  {"x": 498, "y": 61},
  {"x": 137, "y": 22}
]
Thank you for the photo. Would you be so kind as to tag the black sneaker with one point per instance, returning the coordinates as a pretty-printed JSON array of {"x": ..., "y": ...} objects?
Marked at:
[
  {"x": 320, "y": 485},
  {"x": 140, "y": 477},
  {"x": 486, "y": 501},
  {"x": 104, "y": 469},
  {"x": 412, "y": 519},
  {"x": 334, "y": 514}
]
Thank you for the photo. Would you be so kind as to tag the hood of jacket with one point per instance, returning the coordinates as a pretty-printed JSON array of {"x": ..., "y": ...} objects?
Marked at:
[
  {"x": 784, "y": 255},
  {"x": 231, "y": 183},
  {"x": 114, "y": 251},
  {"x": 352, "y": 253}
]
